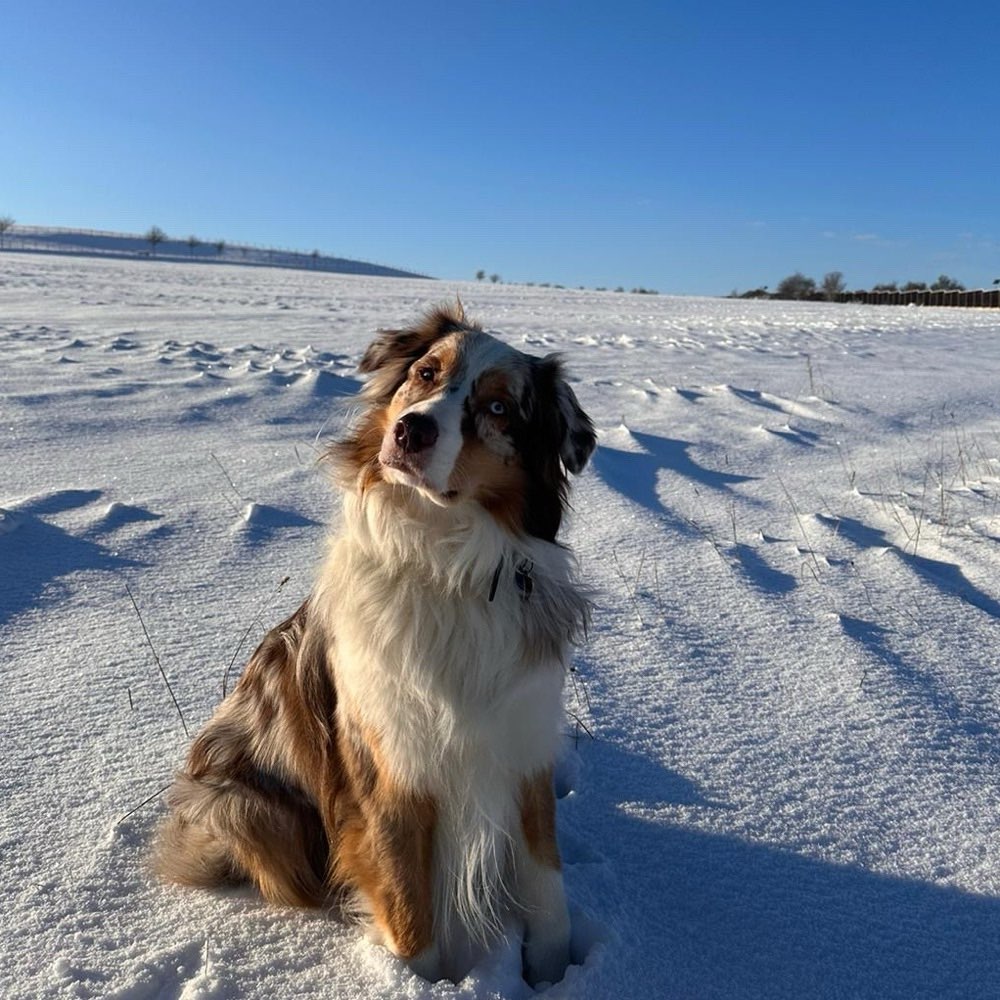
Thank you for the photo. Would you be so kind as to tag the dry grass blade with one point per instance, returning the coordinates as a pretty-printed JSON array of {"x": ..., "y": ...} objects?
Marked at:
[
  {"x": 156, "y": 659},
  {"x": 144, "y": 802},
  {"x": 243, "y": 638}
]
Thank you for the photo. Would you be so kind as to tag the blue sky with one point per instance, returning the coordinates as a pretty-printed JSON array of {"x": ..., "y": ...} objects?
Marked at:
[{"x": 689, "y": 147}]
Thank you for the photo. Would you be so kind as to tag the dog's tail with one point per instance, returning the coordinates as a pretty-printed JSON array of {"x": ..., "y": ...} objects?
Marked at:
[{"x": 233, "y": 833}]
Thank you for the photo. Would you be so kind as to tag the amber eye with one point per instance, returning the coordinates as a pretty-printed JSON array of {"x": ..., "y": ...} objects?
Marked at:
[
  {"x": 498, "y": 408},
  {"x": 426, "y": 374}
]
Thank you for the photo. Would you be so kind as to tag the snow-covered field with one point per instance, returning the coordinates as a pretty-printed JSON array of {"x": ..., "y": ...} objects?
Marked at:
[{"x": 782, "y": 775}]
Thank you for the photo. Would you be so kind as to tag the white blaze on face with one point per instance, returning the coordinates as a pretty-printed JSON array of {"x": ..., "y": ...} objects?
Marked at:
[{"x": 460, "y": 362}]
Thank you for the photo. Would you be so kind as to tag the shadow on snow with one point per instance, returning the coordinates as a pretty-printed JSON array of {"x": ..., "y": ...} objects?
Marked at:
[
  {"x": 35, "y": 554},
  {"x": 730, "y": 918},
  {"x": 945, "y": 576},
  {"x": 951, "y": 721},
  {"x": 634, "y": 474}
]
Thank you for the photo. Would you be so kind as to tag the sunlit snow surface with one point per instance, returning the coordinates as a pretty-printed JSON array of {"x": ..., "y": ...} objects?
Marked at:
[{"x": 783, "y": 755}]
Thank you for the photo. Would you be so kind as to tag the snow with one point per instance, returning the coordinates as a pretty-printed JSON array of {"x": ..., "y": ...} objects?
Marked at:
[
  {"x": 83, "y": 242},
  {"x": 781, "y": 773}
]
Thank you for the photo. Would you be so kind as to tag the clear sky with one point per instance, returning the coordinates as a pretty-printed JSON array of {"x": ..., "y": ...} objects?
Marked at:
[{"x": 691, "y": 147}]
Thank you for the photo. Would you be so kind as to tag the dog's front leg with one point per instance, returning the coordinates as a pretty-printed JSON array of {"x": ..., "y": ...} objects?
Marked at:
[
  {"x": 390, "y": 863},
  {"x": 540, "y": 884}
]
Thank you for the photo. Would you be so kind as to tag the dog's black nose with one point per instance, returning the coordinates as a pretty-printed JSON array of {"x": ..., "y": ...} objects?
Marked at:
[{"x": 414, "y": 432}]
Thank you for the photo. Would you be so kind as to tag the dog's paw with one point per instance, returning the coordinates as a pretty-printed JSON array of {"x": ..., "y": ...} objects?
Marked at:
[
  {"x": 427, "y": 964},
  {"x": 545, "y": 970},
  {"x": 545, "y": 957}
]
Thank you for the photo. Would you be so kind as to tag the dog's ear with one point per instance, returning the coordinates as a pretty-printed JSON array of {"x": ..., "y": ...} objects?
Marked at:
[
  {"x": 392, "y": 352},
  {"x": 577, "y": 439},
  {"x": 392, "y": 346}
]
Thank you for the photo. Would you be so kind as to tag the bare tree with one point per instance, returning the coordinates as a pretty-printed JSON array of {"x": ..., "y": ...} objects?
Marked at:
[
  {"x": 833, "y": 285},
  {"x": 494, "y": 278},
  {"x": 193, "y": 243},
  {"x": 946, "y": 284},
  {"x": 796, "y": 286},
  {"x": 154, "y": 237},
  {"x": 220, "y": 247},
  {"x": 6, "y": 224},
  {"x": 480, "y": 274}
]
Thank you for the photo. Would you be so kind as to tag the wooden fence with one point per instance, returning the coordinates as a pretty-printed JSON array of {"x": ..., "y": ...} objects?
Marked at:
[{"x": 979, "y": 298}]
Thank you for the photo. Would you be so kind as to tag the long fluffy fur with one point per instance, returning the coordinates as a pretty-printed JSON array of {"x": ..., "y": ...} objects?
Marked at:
[{"x": 389, "y": 746}]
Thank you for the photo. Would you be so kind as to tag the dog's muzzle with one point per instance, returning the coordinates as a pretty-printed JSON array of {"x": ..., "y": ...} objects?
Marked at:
[{"x": 415, "y": 432}]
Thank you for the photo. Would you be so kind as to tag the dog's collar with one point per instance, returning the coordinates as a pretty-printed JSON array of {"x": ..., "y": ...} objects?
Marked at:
[{"x": 522, "y": 578}]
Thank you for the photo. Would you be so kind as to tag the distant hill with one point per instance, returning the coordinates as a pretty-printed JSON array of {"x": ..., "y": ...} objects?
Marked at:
[{"x": 94, "y": 243}]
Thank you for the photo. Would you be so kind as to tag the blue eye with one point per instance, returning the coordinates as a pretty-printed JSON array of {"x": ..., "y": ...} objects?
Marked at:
[{"x": 497, "y": 408}]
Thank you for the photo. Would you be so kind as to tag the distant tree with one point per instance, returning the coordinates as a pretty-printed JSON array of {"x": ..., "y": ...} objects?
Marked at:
[
  {"x": 885, "y": 286},
  {"x": 220, "y": 247},
  {"x": 796, "y": 286},
  {"x": 480, "y": 274},
  {"x": 6, "y": 224},
  {"x": 833, "y": 285},
  {"x": 914, "y": 286},
  {"x": 154, "y": 237},
  {"x": 193, "y": 243},
  {"x": 494, "y": 278},
  {"x": 315, "y": 257},
  {"x": 946, "y": 284}
]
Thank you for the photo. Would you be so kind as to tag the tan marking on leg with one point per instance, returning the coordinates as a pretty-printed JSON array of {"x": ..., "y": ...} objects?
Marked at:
[
  {"x": 538, "y": 818},
  {"x": 386, "y": 852},
  {"x": 385, "y": 844}
]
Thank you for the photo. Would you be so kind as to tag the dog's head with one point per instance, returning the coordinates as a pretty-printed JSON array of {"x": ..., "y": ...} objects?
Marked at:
[{"x": 460, "y": 416}]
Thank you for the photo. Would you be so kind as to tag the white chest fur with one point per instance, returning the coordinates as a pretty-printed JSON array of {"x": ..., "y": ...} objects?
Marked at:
[{"x": 449, "y": 684}]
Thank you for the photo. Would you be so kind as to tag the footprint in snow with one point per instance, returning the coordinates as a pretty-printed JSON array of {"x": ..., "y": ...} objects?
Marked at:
[
  {"x": 83, "y": 981},
  {"x": 184, "y": 973}
]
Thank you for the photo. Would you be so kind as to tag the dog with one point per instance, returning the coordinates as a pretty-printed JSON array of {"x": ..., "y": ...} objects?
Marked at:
[{"x": 390, "y": 746}]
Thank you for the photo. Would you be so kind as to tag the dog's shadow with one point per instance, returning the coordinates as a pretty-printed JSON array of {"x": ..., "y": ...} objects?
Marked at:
[{"x": 724, "y": 916}]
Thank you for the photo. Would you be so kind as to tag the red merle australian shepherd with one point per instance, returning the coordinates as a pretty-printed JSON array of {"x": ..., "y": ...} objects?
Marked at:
[{"x": 390, "y": 746}]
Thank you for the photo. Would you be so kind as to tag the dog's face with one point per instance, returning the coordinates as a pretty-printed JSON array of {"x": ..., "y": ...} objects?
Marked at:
[
  {"x": 458, "y": 415},
  {"x": 451, "y": 425}
]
